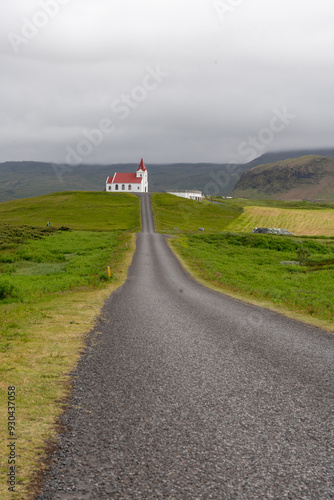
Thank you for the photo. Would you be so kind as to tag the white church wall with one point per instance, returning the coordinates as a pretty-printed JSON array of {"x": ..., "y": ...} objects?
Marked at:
[{"x": 134, "y": 188}]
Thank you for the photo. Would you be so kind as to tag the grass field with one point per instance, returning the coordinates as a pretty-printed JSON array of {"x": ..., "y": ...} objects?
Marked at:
[
  {"x": 299, "y": 205},
  {"x": 59, "y": 262},
  {"x": 77, "y": 210},
  {"x": 53, "y": 283},
  {"x": 173, "y": 214},
  {"x": 298, "y": 221},
  {"x": 253, "y": 265},
  {"x": 250, "y": 265}
]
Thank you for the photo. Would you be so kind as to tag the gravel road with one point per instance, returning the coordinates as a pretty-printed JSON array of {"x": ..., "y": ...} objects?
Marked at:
[{"x": 184, "y": 393}]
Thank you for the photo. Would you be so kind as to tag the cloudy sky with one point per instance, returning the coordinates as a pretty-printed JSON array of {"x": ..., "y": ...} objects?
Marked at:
[{"x": 169, "y": 80}]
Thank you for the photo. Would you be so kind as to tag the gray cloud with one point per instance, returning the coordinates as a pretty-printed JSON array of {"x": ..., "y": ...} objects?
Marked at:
[{"x": 65, "y": 62}]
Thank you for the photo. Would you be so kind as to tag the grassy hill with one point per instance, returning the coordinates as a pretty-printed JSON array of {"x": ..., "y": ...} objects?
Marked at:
[
  {"x": 308, "y": 177},
  {"x": 76, "y": 210},
  {"x": 173, "y": 215}
]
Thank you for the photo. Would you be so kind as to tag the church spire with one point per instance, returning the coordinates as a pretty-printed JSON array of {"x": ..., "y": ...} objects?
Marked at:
[{"x": 142, "y": 166}]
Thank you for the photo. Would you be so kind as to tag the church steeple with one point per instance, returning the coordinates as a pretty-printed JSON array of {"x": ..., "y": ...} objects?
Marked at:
[{"x": 141, "y": 166}]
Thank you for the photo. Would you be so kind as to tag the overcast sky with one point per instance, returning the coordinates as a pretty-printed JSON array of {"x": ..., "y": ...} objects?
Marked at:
[{"x": 109, "y": 81}]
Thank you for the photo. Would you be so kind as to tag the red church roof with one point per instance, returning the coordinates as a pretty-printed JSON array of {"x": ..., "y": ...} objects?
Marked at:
[
  {"x": 124, "y": 179},
  {"x": 142, "y": 166}
]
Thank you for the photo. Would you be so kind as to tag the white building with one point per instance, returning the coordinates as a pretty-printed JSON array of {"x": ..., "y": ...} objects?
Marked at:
[
  {"x": 190, "y": 195},
  {"x": 129, "y": 183}
]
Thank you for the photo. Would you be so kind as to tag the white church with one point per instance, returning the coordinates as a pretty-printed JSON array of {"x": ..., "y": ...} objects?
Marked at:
[{"x": 130, "y": 183}]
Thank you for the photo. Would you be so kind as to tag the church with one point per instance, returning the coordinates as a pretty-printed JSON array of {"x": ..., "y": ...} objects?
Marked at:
[{"x": 130, "y": 183}]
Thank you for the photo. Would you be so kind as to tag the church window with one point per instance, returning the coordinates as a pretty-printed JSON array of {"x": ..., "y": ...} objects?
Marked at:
[
  {"x": 129, "y": 187},
  {"x": 116, "y": 187},
  {"x": 123, "y": 187}
]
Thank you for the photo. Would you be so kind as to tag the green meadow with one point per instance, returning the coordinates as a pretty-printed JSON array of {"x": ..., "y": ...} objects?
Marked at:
[
  {"x": 292, "y": 274},
  {"x": 59, "y": 262},
  {"x": 266, "y": 267},
  {"x": 173, "y": 214},
  {"x": 53, "y": 283},
  {"x": 77, "y": 210}
]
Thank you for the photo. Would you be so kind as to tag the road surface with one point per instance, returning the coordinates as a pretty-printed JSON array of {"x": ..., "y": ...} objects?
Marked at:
[{"x": 184, "y": 393}]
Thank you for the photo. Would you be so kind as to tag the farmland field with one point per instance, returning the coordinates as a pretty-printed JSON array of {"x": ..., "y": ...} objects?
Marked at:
[{"x": 300, "y": 222}]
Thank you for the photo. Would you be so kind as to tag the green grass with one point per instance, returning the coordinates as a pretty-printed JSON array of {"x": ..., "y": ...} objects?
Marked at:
[
  {"x": 249, "y": 265},
  {"x": 62, "y": 261},
  {"x": 188, "y": 216},
  {"x": 76, "y": 210},
  {"x": 252, "y": 265},
  {"x": 174, "y": 215},
  {"x": 39, "y": 261},
  {"x": 53, "y": 282}
]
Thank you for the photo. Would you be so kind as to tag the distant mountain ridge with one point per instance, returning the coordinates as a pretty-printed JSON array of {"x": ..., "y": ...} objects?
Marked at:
[
  {"x": 27, "y": 179},
  {"x": 306, "y": 178},
  {"x": 274, "y": 157}
]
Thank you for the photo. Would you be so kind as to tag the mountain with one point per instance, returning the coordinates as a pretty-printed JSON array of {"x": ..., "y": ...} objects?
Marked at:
[
  {"x": 273, "y": 157},
  {"x": 27, "y": 179},
  {"x": 306, "y": 178}
]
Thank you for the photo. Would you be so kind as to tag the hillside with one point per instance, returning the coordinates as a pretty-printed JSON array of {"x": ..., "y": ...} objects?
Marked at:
[
  {"x": 75, "y": 210},
  {"x": 305, "y": 178},
  {"x": 274, "y": 157},
  {"x": 27, "y": 179}
]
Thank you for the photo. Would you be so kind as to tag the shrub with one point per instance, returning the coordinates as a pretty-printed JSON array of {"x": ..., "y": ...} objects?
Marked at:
[
  {"x": 303, "y": 255},
  {"x": 103, "y": 277},
  {"x": 7, "y": 290},
  {"x": 7, "y": 259}
]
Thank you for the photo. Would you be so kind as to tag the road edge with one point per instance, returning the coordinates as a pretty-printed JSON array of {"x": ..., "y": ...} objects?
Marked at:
[{"x": 302, "y": 318}]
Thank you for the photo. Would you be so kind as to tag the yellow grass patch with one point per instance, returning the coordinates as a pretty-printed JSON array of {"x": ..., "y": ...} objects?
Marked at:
[{"x": 299, "y": 222}]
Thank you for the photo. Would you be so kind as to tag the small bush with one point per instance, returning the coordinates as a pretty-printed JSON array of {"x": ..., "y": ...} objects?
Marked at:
[
  {"x": 7, "y": 290},
  {"x": 103, "y": 277},
  {"x": 303, "y": 255},
  {"x": 8, "y": 269},
  {"x": 38, "y": 255},
  {"x": 7, "y": 259}
]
